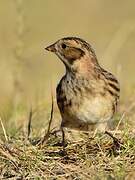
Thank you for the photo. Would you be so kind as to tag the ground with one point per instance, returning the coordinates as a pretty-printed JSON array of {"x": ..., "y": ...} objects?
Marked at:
[{"x": 27, "y": 157}]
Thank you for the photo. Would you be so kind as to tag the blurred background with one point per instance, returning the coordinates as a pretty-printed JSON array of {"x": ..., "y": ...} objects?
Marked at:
[{"x": 28, "y": 73}]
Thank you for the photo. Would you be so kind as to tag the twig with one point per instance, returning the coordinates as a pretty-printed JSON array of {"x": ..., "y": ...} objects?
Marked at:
[
  {"x": 4, "y": 130},
  {"x": 122, "y": 117},
  {"x": 9, "y": 156},
  {"x": 50, "y": 121},
  {"x": 29, "y": 123}
]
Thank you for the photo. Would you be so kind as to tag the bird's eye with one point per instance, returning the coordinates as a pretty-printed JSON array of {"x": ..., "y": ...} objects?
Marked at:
[{"x": 63, "y": 46}]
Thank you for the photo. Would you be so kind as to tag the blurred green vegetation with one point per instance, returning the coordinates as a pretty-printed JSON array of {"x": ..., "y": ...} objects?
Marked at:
[{"x": 27, "y": 71}]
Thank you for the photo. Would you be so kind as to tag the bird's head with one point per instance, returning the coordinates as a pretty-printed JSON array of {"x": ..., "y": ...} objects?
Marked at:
[{"x": 74, "y": 52}]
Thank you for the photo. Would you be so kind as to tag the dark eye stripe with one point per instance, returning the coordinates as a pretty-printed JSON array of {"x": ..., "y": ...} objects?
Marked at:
[{"x": 72, "y": 54}]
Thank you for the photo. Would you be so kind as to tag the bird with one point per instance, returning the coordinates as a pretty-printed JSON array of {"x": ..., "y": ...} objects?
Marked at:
[{"x": 87, "y": 94}]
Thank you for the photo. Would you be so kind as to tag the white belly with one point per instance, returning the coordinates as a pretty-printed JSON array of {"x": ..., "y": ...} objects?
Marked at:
[
  {"x": 92, "y": 111},
  {"x": 95, "y": 110}
]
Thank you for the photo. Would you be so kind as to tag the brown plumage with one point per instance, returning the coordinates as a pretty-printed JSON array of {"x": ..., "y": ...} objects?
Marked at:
[{"x": 87, "y": 95}]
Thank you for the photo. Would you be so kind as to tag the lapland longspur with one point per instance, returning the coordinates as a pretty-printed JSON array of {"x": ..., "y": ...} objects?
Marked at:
[{"x": 87, "y": 95}]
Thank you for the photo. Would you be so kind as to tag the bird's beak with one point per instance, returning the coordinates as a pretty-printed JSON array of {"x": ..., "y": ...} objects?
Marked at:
[{"x": 51, "y": 48}]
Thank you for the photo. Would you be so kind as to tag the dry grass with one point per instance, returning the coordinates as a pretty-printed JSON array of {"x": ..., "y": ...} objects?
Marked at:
[
  {"x": 96, "y": 158},
  {"x": 24, "y": 157}
]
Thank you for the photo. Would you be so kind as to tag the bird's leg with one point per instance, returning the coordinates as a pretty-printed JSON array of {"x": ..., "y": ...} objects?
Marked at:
[
  {"x": 63, "y": 142},
  {"x": 116, "y": 141}
]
